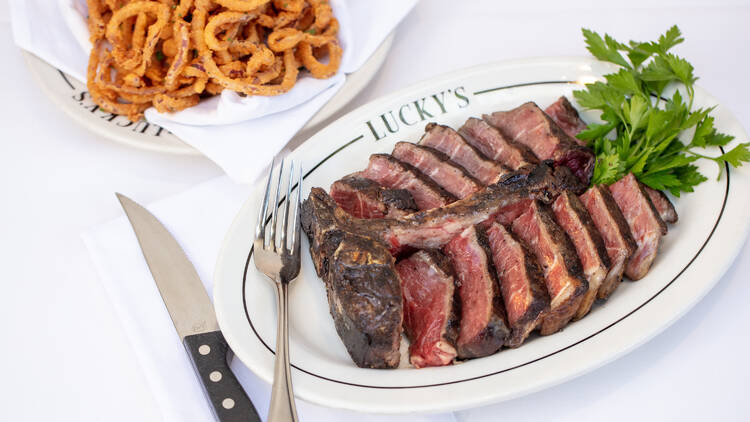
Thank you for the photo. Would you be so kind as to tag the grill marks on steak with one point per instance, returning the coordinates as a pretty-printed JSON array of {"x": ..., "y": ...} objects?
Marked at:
[
  {"x": 566, "y": 116},
  {"x": 450, "y": 143},
  {"x": 557, "y": 257},
  {"x": 494, "y": 145},
  {"x": 521, "y": 283},
  {"x": 363, "y": 198},
  {"x": 645, "y": 224},
  {"x": 436, "y": 165},
  {"x": 662, "y": 204},
  {"x": 572, "y": 216},
  {"x": 391, "y": 173},
  {"x": 613, "y": 228},
  {"x": 430, "y": 317},
  {"x": 484, "y": 328},
  {"x": 530, "y": 126}
]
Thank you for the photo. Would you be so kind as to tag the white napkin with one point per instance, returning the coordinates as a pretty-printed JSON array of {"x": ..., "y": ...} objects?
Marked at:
[
  {"x": 198, "y": 218},
  {"x": 238, "y": 133}
]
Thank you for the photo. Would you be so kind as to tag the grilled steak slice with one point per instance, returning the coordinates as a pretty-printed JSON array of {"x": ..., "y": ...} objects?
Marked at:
[
  {"x": 392, "y": 173},
  {"x": 448, "y": 141},
  {"x": 662, "y": 204},
  {"x": 432, "y": 228},
  {"x": 494, "y": 145},
  {"x": 521, "y": 283},
  {"x": 557, "y": 256},
  {"x": 430, "y": 315},
  {"x": 436, "y": 165},
  {"x": 364, "y": 198},
  {"x": 508, "y": 214},
  {"x": 644, "y": 222},
  {"x": 615, "y": 233},
  {"x": 530, "y": 126},
  {"x": 572, "y": 216},
  {"x": 566, "y": 116},
  {"x": 484, "y": 328}
]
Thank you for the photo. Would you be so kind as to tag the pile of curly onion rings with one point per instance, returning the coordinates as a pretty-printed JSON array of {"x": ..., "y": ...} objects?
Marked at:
[{"x": 171, "y": 53}]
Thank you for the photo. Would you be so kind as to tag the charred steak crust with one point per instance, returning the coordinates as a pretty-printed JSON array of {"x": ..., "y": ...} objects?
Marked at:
[
  {"x": 550, "y": 245},
  {"x": 566, "y": 116},
  {"x": 572, "y": 217},
  {"x": 432, "y": 189},
  {"x": 644, "y": 221},
  {"x": 437, "y": 167},
  {"x": 462, "y": 153},
  {"x": 662, "y": 204},
  {"x": 512, "y": 260},
  {"x": 364, "y": 198},
  {"x": 527, "y": 124},
  {"x": 399, "y": 199},
  {"x": 497, "y": 331},
  {"x": 363, "y": 288},
  {"x": 364, "y": 297},
  {"x": 484, "y": 326},
  {"x": 615, "y": 232},
  {"x": 493, "y": 144}
]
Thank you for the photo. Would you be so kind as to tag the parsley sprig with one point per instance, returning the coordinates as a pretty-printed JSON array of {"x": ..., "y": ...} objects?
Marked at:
[{"x": 657, "y": 139}]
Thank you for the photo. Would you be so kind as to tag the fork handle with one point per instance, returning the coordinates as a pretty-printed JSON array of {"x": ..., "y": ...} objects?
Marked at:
[{"x": 282, "y": 407}]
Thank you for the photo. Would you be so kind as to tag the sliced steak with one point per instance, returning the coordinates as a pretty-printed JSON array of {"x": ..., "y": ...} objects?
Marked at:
[
  {"x": 430, "y": 315},
  {"x": 566, "y": 116},
  {"x": 448, "y": 141},
  {"x": 571, "y": 215},
  {"x": 484, "y": 328},
  {"x": 644, "y": 222},
  {"x": 521, "y": 283},
  {"x": 557, "y": 256},
  {"x": 436, "y": 165},
  {"x": 363, "y": 198},
  {"x": 392, "y": 173},
  {"x": 615, "y": 233},
  {"x": 494, "y": 145},
  {"x": 432, "y": 228},
  {"x": 530, "y": 126},
  {"x": 662, "y": 204},
  {"x": 508, "y": 214}
]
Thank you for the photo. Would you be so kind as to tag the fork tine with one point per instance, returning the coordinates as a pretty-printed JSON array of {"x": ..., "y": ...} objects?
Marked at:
[
  {"x": 297, "y": 208},
  {"x": 275, "y": 212},
  {"x": 287, "y": 200},
  {"x": 260, "y": 229}
]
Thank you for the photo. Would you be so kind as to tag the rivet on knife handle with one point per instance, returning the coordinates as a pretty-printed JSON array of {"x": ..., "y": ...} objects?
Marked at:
[{"x": 208, "y": 353}]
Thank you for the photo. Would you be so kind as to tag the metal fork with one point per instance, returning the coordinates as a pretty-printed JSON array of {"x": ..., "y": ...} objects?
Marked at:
[{"x": 280, "y": 261}]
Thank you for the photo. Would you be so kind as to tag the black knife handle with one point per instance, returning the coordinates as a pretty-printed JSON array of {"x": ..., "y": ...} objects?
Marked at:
[{"x": 229, "y": 402}]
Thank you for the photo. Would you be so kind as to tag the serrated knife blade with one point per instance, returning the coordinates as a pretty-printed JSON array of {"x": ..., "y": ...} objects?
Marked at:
[{"x": 192, "y": 314}]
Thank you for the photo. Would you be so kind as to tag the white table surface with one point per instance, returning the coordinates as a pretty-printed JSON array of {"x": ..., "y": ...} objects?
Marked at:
[{"x": 65, "y": 357}]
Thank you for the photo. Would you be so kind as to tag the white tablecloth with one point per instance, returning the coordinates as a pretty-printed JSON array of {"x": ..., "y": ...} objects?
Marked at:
[{"x": 64, "y": 355}]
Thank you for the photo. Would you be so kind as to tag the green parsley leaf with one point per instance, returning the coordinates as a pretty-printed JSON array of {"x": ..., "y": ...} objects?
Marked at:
[{"x": 642, "y": 131}]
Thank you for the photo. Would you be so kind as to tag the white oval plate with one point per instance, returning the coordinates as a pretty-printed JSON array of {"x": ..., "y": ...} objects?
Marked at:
[
  {"x": 694, "y": 255},
  {"x": 72, "y": 96}
]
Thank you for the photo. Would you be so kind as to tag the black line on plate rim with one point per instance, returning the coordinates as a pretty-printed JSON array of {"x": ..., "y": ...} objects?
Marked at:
[
  {"x": 379, "y": 387},
  {"x": 485, "y": 91},
  {"x": 65, "y": 78}
]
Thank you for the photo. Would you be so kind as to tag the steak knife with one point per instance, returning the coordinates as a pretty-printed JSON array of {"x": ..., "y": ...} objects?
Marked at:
[{"x": 192, "y": 314}]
